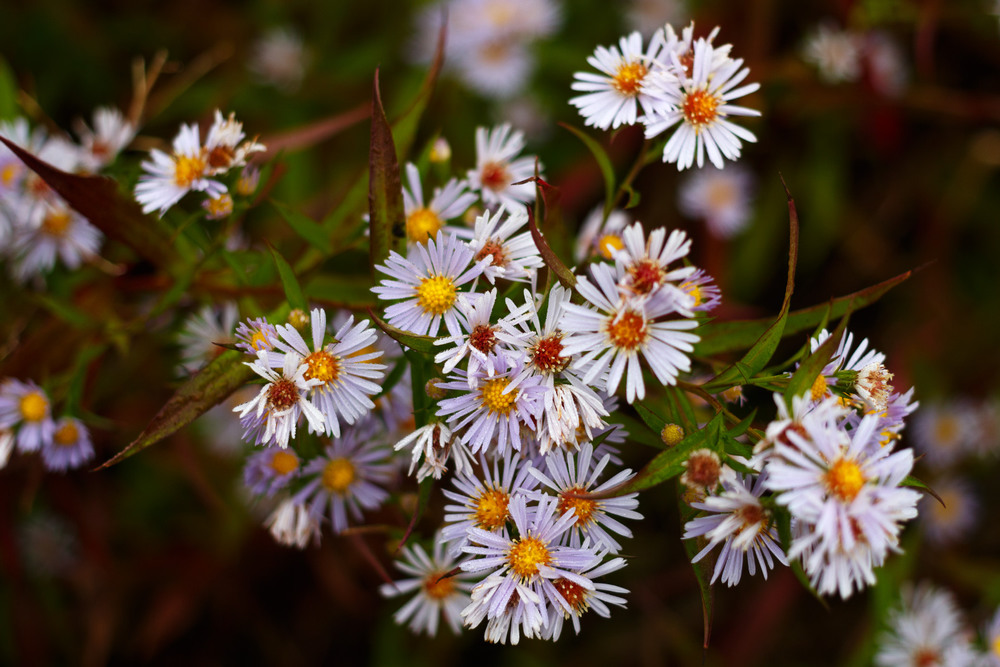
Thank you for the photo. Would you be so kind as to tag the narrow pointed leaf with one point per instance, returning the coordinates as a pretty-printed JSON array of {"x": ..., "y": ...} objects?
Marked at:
[
  {"x": 213, "y": 384},
  {"x": 422, "y": 344},
  {"x": 97, "y": 198},
  {"x": 387, "y": 224},
  {"x": 562, "y": 272},
  {"x": 310, "y": 230},
  {"x": 603, "y": 162},
  {"x": 293, "y": 291}
]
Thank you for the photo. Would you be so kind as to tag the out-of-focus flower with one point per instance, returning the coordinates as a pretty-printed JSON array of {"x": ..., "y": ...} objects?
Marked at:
[
  {"x": 720, "y": 197},
  {"x": 835, "y": 53},
  {"x": 280, "y": 59},
  {"x": 70, "y": 446},
  {"x": 925, "y": 630}
]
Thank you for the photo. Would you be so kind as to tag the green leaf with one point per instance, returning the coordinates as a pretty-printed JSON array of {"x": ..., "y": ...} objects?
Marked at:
[
  {"x": 387, "y": 224},
  {"x": 97, "y": 199},
  {"x": 86, "y": 355},
  {"x": 8, "y": 92},
  {"x": 805, "y": 375},
  {"x": 550, "y": 258},
  {"x": 703, "y": 569},
  {"x": 310, "y": 230},
  {"x": 915, "y": 483},
  {"x": 743, "y": 426},
  {"x": 718, "y": 337},
  {"x": 654, "y": 421},
  {"x": 603, "y": 162},
  {"x": 293, "y": 291},
  {"x": 220, "y": 378},
  {"x": 405, "y": 126},
  {"x": 763, "y": 349},
  {"x": 422, "y": 344},
  {"x": 352, "y": 292},
  {"x": 670, "y": 462}
]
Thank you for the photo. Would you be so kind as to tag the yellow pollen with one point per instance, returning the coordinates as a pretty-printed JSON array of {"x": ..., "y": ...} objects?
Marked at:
[
  {"x": 609, "y": 245},
  {"x": 844, "y": 479},
  {"x": 436, "y": 295},
  {"x": 584, "y": 506},
  {"x": 34, "y": 406},
  {"x": 322, "y": 366},
  {"x": 491, "y": 509},
  {"x": 819, "y": 388},
  {"x": 438, "y": 586},
  {"x": 56, "y": 223},
  {"x": 338, "y": 475},
  {"x": 259, "y": 341},
  {"x": 494, "y": 399},
  {"x": 700, "y": 108},
  {"x": 694, "y": 292},
  {"x": 284, "y": 463},
  {"x": 628, "y": 79},
  {"x": 672, "y": 434},
  {"x": 67, "y": 435},
  {"x": 628, "y": 330},
  {"x": 187, "y": 170},
  {"x": 422, "y": 224},
  {"x": 9, "y": 173},
  {"x": 526, "y": 555}
]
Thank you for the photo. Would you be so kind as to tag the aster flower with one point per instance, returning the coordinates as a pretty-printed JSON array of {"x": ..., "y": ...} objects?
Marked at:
[
  {"x": 702, "y": 290},
  {"x": 433, "y": 445},
  {"x": 572, "y": 479},
  {"x": 700, "y": 105},
  {"x": 944, "y": 431},
  {"x": 424, "y": 221},
  {"x": 218, "y": 208},
  {"x": 201, "y": 332},
  {"x": 951, "y": 519},
  {"x": 512, "y": 256},
  {"x": 526, "y": 566},
  {"x": 925, "y": 630},
  {"x": 70, "y": 446},
  {"x": 347, "y": 478},
  {"x": 612, "y": 337},
  {"x": 427, "y": 282},
  {"x": 600, "y": 236},
  {"x": 25, "y": 406},
  {"x": 279, "y": 58},
  {"x": 270, "y": 471},
  {"x": 439, "y": 592},
  {"x": 835, "y": 53},
  {"x": 343, "y": 379},
  {"x": 739, "y": 522},
  {"x": 168, "y": 178},
  {"x": 292, "y": 525},
  {"x": 645, "y": 261},
  {"x": 478, "y": 339},
  {"x": 271, "y": 416},
  {"x": 720, "y": 197},
  {"x": 483, "y": 503},
  {"x": 573, "y": 600},
  {"x": 225, "y": 147},
  {"x": 498, "y": 167},
  {"x": 614, "y": 97},
  {"x": 255, "y": 335},
  {"x": 53, "y": 230},
  {"x": 111, "y": 133},
  {"x": 702, "y": 472},
  {"x": 495, "y": 410}
]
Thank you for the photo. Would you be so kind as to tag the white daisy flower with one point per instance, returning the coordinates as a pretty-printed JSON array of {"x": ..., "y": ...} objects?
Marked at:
[
  {"x": 347, "y": 478},
  {"x": 498, "y": 167},
  {"x": 224, "y": 145},
  {"x": 495, "y": 410},
  {"x": 70, "y": 446},
  {"x": 574, "y": 600},
  {"x": 512, "y": 256},
  {"x": 111, "y": 133},
  {"x": 613, "y": 97},
  {"x": 424, "y": 221},
  {"x": 612, "y": 337},
  {"x": 169, "y": 177},
  {"x": 835, "y": 53},
  {"x": 439, "y": 592},
  {"x": 201, "y": 332},
  {"x": 700, "y": 105},
  {"x": 720, "y": 197},
  {"x": 645, "y": 261},
  {"x": 925, "y": 630},
  {"x": 345, "y": 381},
  {"x": 427, "y": 281},
  {"x": 26, "y": 407},
  {"x": 273, "y": 413},
  {"x": 292, "y": 525},
  {"x": 523, "y": 612},
  {"x": 702, "y": 290},
  {"x": 741, "y": 524},
  {"x": 844, "y": 359},
  {"x": 498, "y": 68},
  {"x": 527, "y": 566},
  {"x": 478, "y": 339},
  {"x": 594, "y": 520}
]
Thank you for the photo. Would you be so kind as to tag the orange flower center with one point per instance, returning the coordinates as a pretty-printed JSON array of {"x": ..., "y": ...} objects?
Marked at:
[
  {"x": 700, "y": 107},
  {"x": 491, "y": 509},
  {"x": 646, "y": 275},
  {"x": 526, "y": 555},
  {"x": 56, "y": 223},
  {"x": 844, "y": 479},
  {"x": 422, "y": 224},
  {"x": 322, "y": 366},
  {"x": 67, "y": 435},
  {"x": 628, "y": 330},
  {"x": 188, "y": 169},
  {"x": 438, "y": 586},
  {"x": 338, "y": 474},
  {"x": 584, "y": 506},
  {"x": 284, "y": 463},
  {"x": 628, "y": 79}
]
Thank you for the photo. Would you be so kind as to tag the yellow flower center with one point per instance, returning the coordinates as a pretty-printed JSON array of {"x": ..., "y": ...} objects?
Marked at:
[
  {"x": 220, "y": 207},
  {"x": 56, "y": 223},
  {"x": 338, "y": 475},
  {"x": 584, "y": 506},
  {"x": 700, "y": 107},
  {"x": 422, "y": 224},
  {"x": 844, "y": 479},
  {"x": 34, "y": 406},
  {"x": 819, "y": 388},
  {"x": 609, "y": 245},
  {"x": 491, "y": 509},
  {"x": 259, "y": 341},
  {"x": 438, "y": 586},
  {"x": 9, "y": 173},
  {"x": 436, "y": 295},
  {"x": 67, "y": 434},
  {"x": 694, "y": 292},
  {"x": 628, "y": 330},
  {"x": 995, "y": 646},
  {"x": 526, "y": 555},
  {"x": 494, "y": 399},
  {"x": 284, "y": 463},
  {"x": 188, "y": 169},
  {"x": 628, "y": 79},
  {"x": 322, "y": 366}
]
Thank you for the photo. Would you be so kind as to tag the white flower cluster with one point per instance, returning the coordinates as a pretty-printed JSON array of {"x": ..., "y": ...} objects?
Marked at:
[
  {"x": 676, "y": 81},
  {"x": 37, "y": 226}
]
